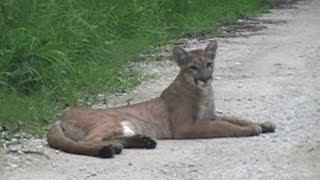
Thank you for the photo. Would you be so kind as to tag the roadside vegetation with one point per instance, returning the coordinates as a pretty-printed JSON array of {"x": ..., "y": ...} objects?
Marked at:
[{"x": 52, "y": 53}]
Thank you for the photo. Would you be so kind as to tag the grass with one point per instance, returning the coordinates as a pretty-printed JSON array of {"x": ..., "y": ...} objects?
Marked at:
[{"x": 53, "y": 53}]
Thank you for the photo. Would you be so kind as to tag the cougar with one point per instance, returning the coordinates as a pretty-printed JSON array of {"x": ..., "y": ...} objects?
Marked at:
[{"x": 184, "y": 110}]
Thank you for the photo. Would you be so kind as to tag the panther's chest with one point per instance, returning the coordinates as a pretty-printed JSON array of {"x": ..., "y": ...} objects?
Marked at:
[{"x": 206, "y": 109}]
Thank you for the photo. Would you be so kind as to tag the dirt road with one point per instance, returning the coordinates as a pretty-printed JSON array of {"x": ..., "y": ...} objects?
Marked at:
[{"x": 272, "y": 74}]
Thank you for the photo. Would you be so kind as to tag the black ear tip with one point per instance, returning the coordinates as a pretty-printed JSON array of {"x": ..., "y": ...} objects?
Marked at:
[
  {"x": 175, "y": 49},
  {"x": 180, "y": 55},
  {"x": 178, "y": 49},
  {"x": 213, "y": 43},
  {"x": 212, "y": 46},
  {"x": 179, "y": 52}
]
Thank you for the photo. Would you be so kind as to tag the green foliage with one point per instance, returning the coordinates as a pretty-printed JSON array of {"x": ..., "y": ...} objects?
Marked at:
[{"x": 54, "y": 52}]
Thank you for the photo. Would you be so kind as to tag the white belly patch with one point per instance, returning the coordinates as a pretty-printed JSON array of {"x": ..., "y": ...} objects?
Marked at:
[{"x": 127, "y": 130}]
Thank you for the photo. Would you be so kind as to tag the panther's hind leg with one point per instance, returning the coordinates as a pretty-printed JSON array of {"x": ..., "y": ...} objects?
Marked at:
[
  {"x": 70, "y": 139},
  {"x": 104, "y": 149},
  {"x": 102, "y": 139}
]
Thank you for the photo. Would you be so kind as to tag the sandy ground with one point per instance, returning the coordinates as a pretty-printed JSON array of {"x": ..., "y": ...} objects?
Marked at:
[{"x": 272, "y": 74}]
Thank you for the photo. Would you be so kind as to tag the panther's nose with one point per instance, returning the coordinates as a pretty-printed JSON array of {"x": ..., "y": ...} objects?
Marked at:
[{"x": 205, "y": 79}]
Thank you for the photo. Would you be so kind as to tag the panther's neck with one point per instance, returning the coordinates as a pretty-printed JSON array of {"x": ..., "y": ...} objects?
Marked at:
[{"x": 196, "y": 102}]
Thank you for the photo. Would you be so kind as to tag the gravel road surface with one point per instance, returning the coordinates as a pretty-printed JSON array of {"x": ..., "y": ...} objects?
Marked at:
[{"x": 269, "y": 71}]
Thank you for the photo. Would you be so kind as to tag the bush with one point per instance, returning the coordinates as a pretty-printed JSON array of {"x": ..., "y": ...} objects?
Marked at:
[{"x": 53, "y": 52}]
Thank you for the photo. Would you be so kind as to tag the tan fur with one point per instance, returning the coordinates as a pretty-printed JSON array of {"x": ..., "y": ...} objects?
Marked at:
[{"x": 185, "y": 110}]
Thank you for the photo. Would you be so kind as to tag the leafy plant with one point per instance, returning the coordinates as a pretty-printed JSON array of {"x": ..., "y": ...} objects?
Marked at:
[{"x": 54, "y": 52}]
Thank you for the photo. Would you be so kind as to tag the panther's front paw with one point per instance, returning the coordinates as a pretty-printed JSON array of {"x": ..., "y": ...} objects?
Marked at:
[
  {"x": 268, "y": 127},
  {"x": 255, "y": 130}
]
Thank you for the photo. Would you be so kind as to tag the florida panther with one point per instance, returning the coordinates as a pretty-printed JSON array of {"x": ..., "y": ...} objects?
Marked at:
[{"x": 184, "y": 110}]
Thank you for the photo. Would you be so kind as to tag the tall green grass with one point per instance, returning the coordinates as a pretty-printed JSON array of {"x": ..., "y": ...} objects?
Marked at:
[{"x": 53, "y": 52}]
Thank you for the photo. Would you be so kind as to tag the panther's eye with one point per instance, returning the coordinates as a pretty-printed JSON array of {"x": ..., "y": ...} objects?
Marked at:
[
  {"x": 193, "y": 67},
  {"x": 209, "y": 64}
]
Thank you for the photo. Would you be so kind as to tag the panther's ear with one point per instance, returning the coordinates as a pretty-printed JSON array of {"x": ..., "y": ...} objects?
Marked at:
[
  {"x": 211, "y": 49},
  {"x": 180, "y": 56}
]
